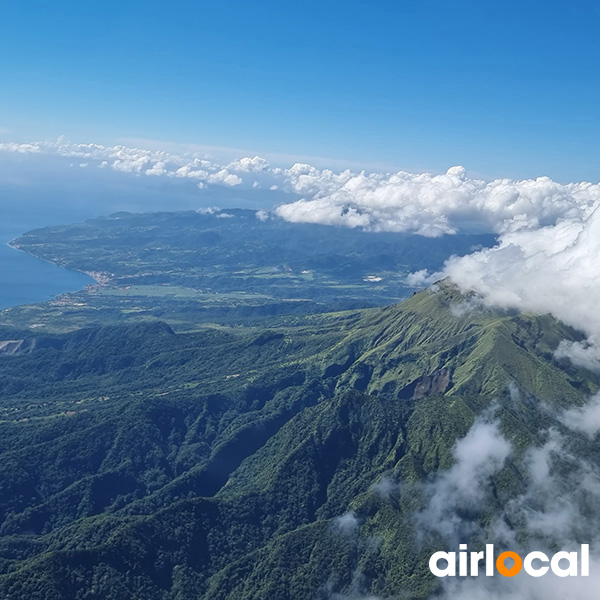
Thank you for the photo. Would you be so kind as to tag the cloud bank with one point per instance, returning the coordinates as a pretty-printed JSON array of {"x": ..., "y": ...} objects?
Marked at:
[
  {"x": 424, "y": 204},
  {"x": 553, "y": 269},
  {"x": 432, "y": 205}
]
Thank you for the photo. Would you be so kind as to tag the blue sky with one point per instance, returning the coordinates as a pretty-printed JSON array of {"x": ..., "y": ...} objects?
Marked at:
[{"x": 504, "y": 88}]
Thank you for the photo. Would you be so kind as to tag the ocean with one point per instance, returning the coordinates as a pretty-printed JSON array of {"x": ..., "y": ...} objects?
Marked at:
[
  {"x": 25, "y": 279},
  {"x": 46, "y": 191}
]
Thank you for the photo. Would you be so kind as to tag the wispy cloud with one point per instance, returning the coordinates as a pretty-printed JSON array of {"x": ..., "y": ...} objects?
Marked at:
[
  {"x": 465, "y": 487},
  {"x": 556, "y": 508}
]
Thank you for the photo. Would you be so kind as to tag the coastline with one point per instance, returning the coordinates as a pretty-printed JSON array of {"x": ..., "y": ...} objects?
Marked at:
[
  {"x": 28, "y": 283},
  {"x": 99, "y": 277}
]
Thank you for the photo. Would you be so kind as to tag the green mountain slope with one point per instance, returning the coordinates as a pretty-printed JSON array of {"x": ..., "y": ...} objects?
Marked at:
[{"x": 238, "y": 463}]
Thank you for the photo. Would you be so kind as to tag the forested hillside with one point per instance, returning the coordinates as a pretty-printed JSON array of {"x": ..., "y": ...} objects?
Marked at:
[{"x": 282, "y": 463}]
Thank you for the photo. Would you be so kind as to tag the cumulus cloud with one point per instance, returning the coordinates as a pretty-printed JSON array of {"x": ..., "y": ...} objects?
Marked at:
[
  {"x": 144, "y": 162},
  {"x": 553, "y": 269},
  {"x": 549, "y": 233},
  {"x": 432, "y": 205},
  {"x": 20, "y": 148},
  {"x": 159, "y": 168},
  {"x": 249, "y": 165},
  {"x": 420, "y": 278},
  {"x": 423, "y": 203}
]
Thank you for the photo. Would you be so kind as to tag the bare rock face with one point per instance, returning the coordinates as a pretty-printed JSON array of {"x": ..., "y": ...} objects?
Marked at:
[
  {"x": 10, "y": 347},
  {"x": 436, "y": 383}
]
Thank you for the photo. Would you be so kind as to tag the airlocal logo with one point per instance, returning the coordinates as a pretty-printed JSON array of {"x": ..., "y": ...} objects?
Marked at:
[{"x": 535, "y": 564}]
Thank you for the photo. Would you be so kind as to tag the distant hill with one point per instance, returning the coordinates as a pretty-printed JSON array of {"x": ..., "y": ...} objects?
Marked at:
[{"x": 248, "y": 252}]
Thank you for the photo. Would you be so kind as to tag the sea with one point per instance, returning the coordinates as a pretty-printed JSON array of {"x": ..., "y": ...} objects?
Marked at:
[
  {"x": 25, "y": 279},
  {"x": 34, "y": 200},
  {"x": 36, "y": 194}
]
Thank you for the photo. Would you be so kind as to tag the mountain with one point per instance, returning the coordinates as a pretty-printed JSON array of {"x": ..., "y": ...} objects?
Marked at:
[{"x": 284, "y": 463}]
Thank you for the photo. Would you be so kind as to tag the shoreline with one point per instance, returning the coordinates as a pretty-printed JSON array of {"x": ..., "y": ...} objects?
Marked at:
[
  {"x": 21, "y": 299},
  {"x": 103, "y": 279}
]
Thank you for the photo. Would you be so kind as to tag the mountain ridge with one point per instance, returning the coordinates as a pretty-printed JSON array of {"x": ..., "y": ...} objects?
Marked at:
[{"x": 246, "y": 447}]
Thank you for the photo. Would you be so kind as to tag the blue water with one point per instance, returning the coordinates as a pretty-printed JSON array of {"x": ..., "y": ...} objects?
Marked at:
[
  {"x": 40, "y": 194},
  {"x": 25, "y": 279},
  {"x": 49, "y": 191}
]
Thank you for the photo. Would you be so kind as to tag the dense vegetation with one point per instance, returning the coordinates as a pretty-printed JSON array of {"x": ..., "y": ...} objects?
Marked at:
[
  {"x": 232, "y": 260},
  {"x": 240, "y": 463}
]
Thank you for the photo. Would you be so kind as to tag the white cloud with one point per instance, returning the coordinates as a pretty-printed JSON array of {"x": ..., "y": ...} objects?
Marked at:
[
  {"x": 314, "y": 211},
  {"x": 552, "y": 269},
  {"x": 584, "y": 354},
  {"x": 157, "y": 169},
  {"x": 546, "y": 261},
  {"x": 386, "y": 487},
  {"x": 347, "y": 523},
  {"x": 432, "y": 205},
  {"x": 249, "y": 165},
  {"x": 420, "y": 278},
  {"x": 143, "y": 162},
  {"x": 524, "y": 587},
  {"x": 223, "y": 176},
  {"x": 423, "y": 203},
  {"x": 20, "y": 148},
  {"x": 585, "y": 419},
  {"x": 467, "y": 307},
  {"x": 558, "y": 509}
]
